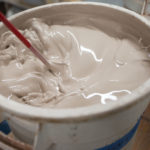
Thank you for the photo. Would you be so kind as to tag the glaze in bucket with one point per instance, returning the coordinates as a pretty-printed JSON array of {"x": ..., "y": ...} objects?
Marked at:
[{"x": 105, "y": 127}]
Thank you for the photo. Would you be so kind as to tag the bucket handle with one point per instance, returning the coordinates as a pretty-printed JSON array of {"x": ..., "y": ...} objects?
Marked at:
[{"x": 6, "y": 141}]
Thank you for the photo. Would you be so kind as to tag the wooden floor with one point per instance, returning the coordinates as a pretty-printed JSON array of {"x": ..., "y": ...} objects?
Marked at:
[{"x": 142, "y": 141}]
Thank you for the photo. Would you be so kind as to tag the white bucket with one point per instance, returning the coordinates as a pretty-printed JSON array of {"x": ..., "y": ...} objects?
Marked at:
[{"x": 105, "y": 127}]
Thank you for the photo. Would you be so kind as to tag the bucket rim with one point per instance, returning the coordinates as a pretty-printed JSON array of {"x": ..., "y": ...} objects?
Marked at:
[{"x": 81, "y": 113}]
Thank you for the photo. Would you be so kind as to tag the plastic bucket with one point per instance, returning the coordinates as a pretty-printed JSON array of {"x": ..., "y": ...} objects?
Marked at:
[{"x": 105, "y": 127}]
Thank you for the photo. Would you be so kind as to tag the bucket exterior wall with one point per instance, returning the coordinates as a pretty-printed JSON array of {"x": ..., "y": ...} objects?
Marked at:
[{"x": 93, "y": 134}]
